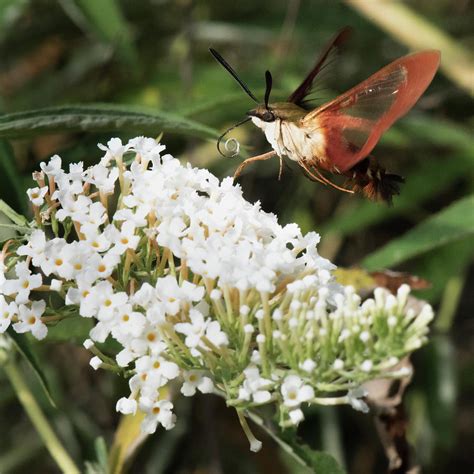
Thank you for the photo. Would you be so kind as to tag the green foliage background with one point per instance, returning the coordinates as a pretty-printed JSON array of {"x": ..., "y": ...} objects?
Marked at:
[{"x": 77, "y": 72}]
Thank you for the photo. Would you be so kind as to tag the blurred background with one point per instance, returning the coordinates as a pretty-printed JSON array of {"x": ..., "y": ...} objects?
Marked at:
[{"x": 77, "y": 72}]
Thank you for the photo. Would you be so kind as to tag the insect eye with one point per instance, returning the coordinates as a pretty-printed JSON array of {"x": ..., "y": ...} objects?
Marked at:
[{"x": 268, "y": 116}]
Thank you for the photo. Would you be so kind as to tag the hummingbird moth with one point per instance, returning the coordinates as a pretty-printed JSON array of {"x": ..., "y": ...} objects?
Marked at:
[{"x": 338, "y": 137}]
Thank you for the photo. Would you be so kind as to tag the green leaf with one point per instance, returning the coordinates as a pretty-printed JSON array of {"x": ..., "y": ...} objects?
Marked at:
[
  {"x": 221, "y": 102},
  {"x": 102, "y": 455},
  {"x": 421, "y": 184},
  {"x": 10, "y": 12},
  {"x": 12, "y": 187},
  {"x": 451, "y": 224},
  {"x": 439, "y": 133},
  {"x": 440, "y": 382},
  {"x": 317, "y": 462},
  {"x": 99, "y": 118},
  {"x": 14, "y": 217},
  {"x": 72, "y": 329},
  {"x": 21, "y": 343},
  {"x": 441, "y": 265},
  {"x": 7, "y": 229},
  {"x": 105, "y": 19}
]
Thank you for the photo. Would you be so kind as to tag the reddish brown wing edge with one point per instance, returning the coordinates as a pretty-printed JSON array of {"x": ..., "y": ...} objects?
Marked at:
[{"x": 415, "y": 71}]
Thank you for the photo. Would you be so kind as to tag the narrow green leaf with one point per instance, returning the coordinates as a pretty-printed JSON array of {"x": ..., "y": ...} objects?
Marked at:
[
  {"x": 318, "y": 462},
  {"x": 16, "y": 218},
  {"x": 102, "y": 455},
  {"x": 10, "y": 12},
  {"x": 5, "y": 226},
  {"x": 24, "y": 349},
  {"x": 451, "y": 224},
  {"x": 105, "y": 19},
  {"x": 7, "y": 230},
  {"x": 439, "y": 132},
  {"x": 441, "y": 265},
  {"x": 12, "y": 187},
  {"x": 99, "y": 118},
  {"x": 440, "y": 383}
]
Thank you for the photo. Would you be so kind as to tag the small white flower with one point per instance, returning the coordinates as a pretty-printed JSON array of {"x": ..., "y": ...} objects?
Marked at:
[
  {"x": 392, "y": 321},
  {"x": 296, "y": 416},
  {"x": 249, "y": 329},
  {"x": 88, "y": 344},
  {"x": 56, "y": 285},
  {"x": 128, "y": 321},
  {"x": 97, "y": 240},
  {"x": 114, "y": 150},
  {"x": 216, "y": 335},
  {"x": 295, "y": 391},
  {"x": 53, "y": 168},
  {"x": 95, "y": 362},
  {"x": 34, "y": 248},
  {"x": 308, "y": 365},
  {"x": 22, "y": 286},
  {"x": 102, "y": 178},
  {"x": 37, "y": 195},
  {"x": 355, "y": 399},
  {"x": 194, "y": 330},
  {"x": 126, "y": 406},
  {"x": 7, "y": 311},
  {"x": 30, "y": 319},
  {"x": 255, "y": 388},
  {"x": 158, "y": 413},
  {"x": 173, "y": 296},
  {"x": 195, "y": 380},
  {"x": 124, "y": 238}
]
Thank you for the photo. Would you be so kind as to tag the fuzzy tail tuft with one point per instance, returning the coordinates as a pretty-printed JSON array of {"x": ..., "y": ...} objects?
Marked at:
[{"x": 372, "y": 180}]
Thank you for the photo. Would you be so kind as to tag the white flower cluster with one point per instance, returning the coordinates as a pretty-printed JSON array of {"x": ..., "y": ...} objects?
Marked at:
[{"x": 198, "y": 286}]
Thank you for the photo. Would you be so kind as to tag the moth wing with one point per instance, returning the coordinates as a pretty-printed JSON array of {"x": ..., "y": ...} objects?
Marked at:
[
  {"x": 299, "y": 96},
  {"x": 353, "y": 123}
]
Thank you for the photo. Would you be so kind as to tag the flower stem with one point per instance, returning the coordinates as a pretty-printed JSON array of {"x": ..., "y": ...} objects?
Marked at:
[
  {"x": 255, "y": 444},
  {"x": 39, "y": 420}
]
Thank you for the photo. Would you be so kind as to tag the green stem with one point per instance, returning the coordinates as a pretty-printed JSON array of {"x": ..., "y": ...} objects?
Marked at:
[
  {"x": 331, "y": 434},
  {"x": 39, "y": 420}
]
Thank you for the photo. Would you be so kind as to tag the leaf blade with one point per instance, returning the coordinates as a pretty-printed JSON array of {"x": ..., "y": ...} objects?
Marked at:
[
  {"x": 24, "y": 349},
  {"x": 451, "y": 224},
  {"x": 99, "y": 118}
]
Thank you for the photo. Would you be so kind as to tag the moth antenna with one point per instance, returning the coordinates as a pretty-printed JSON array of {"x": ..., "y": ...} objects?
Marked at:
[
  {"x": 231, "y": 71},
  {"x": 236, "y": 144},
  {"x": 268, "y": 87}
]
